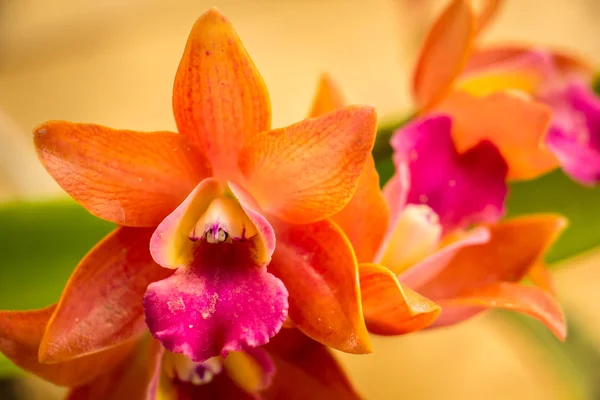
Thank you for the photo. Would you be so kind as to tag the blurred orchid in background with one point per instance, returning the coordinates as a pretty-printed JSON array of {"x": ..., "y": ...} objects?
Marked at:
[{"x": 412, "y": 241}]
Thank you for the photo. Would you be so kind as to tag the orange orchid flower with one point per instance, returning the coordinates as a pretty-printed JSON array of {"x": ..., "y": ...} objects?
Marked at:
[
  {"x": 237, "y": 214},
  {"x": 560, "y": 81},
  {"x": 416, "y": 263},
  {"x": 141, "y": 369},
  {"x": 514, "y": 122}
]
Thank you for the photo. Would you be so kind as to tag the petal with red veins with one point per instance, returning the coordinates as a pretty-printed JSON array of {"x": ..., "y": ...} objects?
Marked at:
[
  {"x": 365, "y": 219},
  {"x": 529, "y": 300},
  {"x": 127, "y": 177},
  {"x": 220, "y": 101},
  {"x": 462, "y": 189},
  {"x": 315, "y": 164},
  {"x": 224, "y": 301},
  {"x": 319, "y": 269},
  {"x": 101, "y": 304},
  {"x": 390, "y": 307},
  {"x": 20, "y": 336}
]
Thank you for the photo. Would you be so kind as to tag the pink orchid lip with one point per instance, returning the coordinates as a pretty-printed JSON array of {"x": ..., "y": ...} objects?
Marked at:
[
  {"x": 223, "y": 301},
  {"x": 462, "y": 189}
]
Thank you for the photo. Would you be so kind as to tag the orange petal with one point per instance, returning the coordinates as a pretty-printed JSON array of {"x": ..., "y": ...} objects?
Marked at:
[
  {"x": 428, "y": 268},
  {"x": 515, "y": 245},
  {"x": 318, "y": 267},
  {"x": 135, "y": 378},
  {"x": 101, "y": 305},
  {"x": 391, "y": 308},
  {"x": 130, "y": 178},
  {"x": 328, "y": 97},
  {"x": 529, "y": 300},
  {"x": 487, "y": 12},
  {"x": 305, "y": 370},
  {"x": 314, "y": 164},
  {"x": 444, "y": 53},
  {"x": 515, "y": 124},
  {"x": 365, "y": 219},
  {"x": 219, "y": 98},
  {"x": 540, "y": 276},
  {"x": 20, "y": 336}
]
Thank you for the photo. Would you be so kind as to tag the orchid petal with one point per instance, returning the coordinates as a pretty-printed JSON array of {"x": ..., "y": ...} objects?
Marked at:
[
  {"x": 391, "y": 308},
  {"x": 364, "y": 220},
  {"x": 305, "y": 369},
  {"x": 396, "y": 192},
  {"x": 20, "y": 336},
  {"x": 101, "y": 304},
  {"x": 514, "y": 247},
  {"x": 252, "y": 369},
  {"x": 428, "y": 268},
  {"x": 222, "y": 302},
  {"x": 487, "y": 13},
  {"x": 328, "y": 97},
  {"x": 461, "y": 188},
  {"x": 444, "y": 53},
  {"x": 130, "y": 178},
  {"x": 529, "y": 300},
  {"x": 568, "y": 64},
  {"x": 135, "y": 378},
  {"x": 172, "y": 245},
  {"x": 416, "y": 235},
  {"x": 252, "y": 210},
  {"x": 318, "y": 267},
  {"x": 516, "y": 125},
  {"x": 219, "y": 98},
  {"x": 314, "y": 164},
  {"x": 541, "y": 277},
  {"x": 574, "y": 136}
]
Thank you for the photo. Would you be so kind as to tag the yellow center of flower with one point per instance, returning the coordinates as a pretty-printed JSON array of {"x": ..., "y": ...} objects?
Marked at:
[{"x": 223, "y": 221}]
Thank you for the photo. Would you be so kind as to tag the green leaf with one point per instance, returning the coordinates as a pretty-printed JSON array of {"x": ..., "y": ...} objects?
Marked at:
[
  {"x": 42, "y": 242},
  {"x": 556, "y": 192}
]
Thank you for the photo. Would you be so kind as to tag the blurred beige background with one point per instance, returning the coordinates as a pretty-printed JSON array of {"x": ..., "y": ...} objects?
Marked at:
[{"x": 113, "y": 62}]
